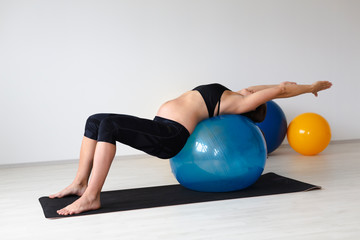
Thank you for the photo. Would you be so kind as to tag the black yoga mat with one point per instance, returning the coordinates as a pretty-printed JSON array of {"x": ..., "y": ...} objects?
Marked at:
[{"x": 149, "y": 197}]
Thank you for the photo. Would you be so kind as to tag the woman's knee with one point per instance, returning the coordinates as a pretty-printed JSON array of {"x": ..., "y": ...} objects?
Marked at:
[
  {"x": 92, "y": 125},
  {"x": 106, "y": 130}
]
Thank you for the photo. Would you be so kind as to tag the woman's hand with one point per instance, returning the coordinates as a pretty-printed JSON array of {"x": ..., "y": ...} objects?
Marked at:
[{"x": 319, "y": 86}]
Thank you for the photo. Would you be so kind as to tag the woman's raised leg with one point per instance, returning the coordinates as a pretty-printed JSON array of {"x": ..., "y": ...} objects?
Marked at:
[
  {"x": 90, "y": 199},
  {"x": 80, "y": 183}
]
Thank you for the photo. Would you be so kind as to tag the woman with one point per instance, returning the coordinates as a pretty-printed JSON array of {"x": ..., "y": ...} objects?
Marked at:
[{"x": 164, "y": 136}]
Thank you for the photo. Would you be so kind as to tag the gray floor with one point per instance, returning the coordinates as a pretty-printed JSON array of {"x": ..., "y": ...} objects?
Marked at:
[{"x": 330, "y": 213}]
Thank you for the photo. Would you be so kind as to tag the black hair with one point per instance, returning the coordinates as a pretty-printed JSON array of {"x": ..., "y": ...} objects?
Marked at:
[{"x": 258, "y": 115}]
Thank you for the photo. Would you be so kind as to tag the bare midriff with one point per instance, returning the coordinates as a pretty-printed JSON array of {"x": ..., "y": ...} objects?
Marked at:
[{"x": 190, "y": 108}]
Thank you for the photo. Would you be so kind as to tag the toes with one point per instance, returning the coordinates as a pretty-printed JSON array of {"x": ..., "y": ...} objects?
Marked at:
[
  {"x": 63, "y": 212},
  {"x": 57, "y": 195},
  {"x": 54, "y": 196}
]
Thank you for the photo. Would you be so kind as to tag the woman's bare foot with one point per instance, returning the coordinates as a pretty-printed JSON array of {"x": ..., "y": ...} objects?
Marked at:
[
  {"x": 83, "y": 204},
  {"x": 319, "y": 86},
  {"x": 72, "y": 189}
]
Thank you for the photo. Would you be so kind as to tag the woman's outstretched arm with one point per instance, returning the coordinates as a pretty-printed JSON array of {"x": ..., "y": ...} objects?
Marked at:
[{"x": 283, "y": 90}]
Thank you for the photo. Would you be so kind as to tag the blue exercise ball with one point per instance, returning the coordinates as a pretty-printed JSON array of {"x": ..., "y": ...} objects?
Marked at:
[
  {"x": 274, "y": 126},
  {"x": 224, "y": 153}
]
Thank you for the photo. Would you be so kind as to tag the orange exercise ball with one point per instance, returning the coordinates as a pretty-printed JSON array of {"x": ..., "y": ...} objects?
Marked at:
[{"x": 309, "y": 134}]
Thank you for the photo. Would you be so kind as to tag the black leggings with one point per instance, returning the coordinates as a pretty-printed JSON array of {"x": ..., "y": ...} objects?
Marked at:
[{"x": 160, "y": 137}]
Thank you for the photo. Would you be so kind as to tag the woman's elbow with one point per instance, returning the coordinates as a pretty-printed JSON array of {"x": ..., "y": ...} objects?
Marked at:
[{"x": 281, "y": 90}]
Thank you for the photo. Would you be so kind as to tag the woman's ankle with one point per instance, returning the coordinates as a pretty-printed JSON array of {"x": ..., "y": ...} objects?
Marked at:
[{"x": 80, "y": 181}]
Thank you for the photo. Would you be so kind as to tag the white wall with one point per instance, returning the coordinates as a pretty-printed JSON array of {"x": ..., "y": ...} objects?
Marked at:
[{"x": 61, "y": 61}]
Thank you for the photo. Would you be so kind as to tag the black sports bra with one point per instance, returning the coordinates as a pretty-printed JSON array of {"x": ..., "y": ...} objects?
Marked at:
[{"x": 211, "y": 94}]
